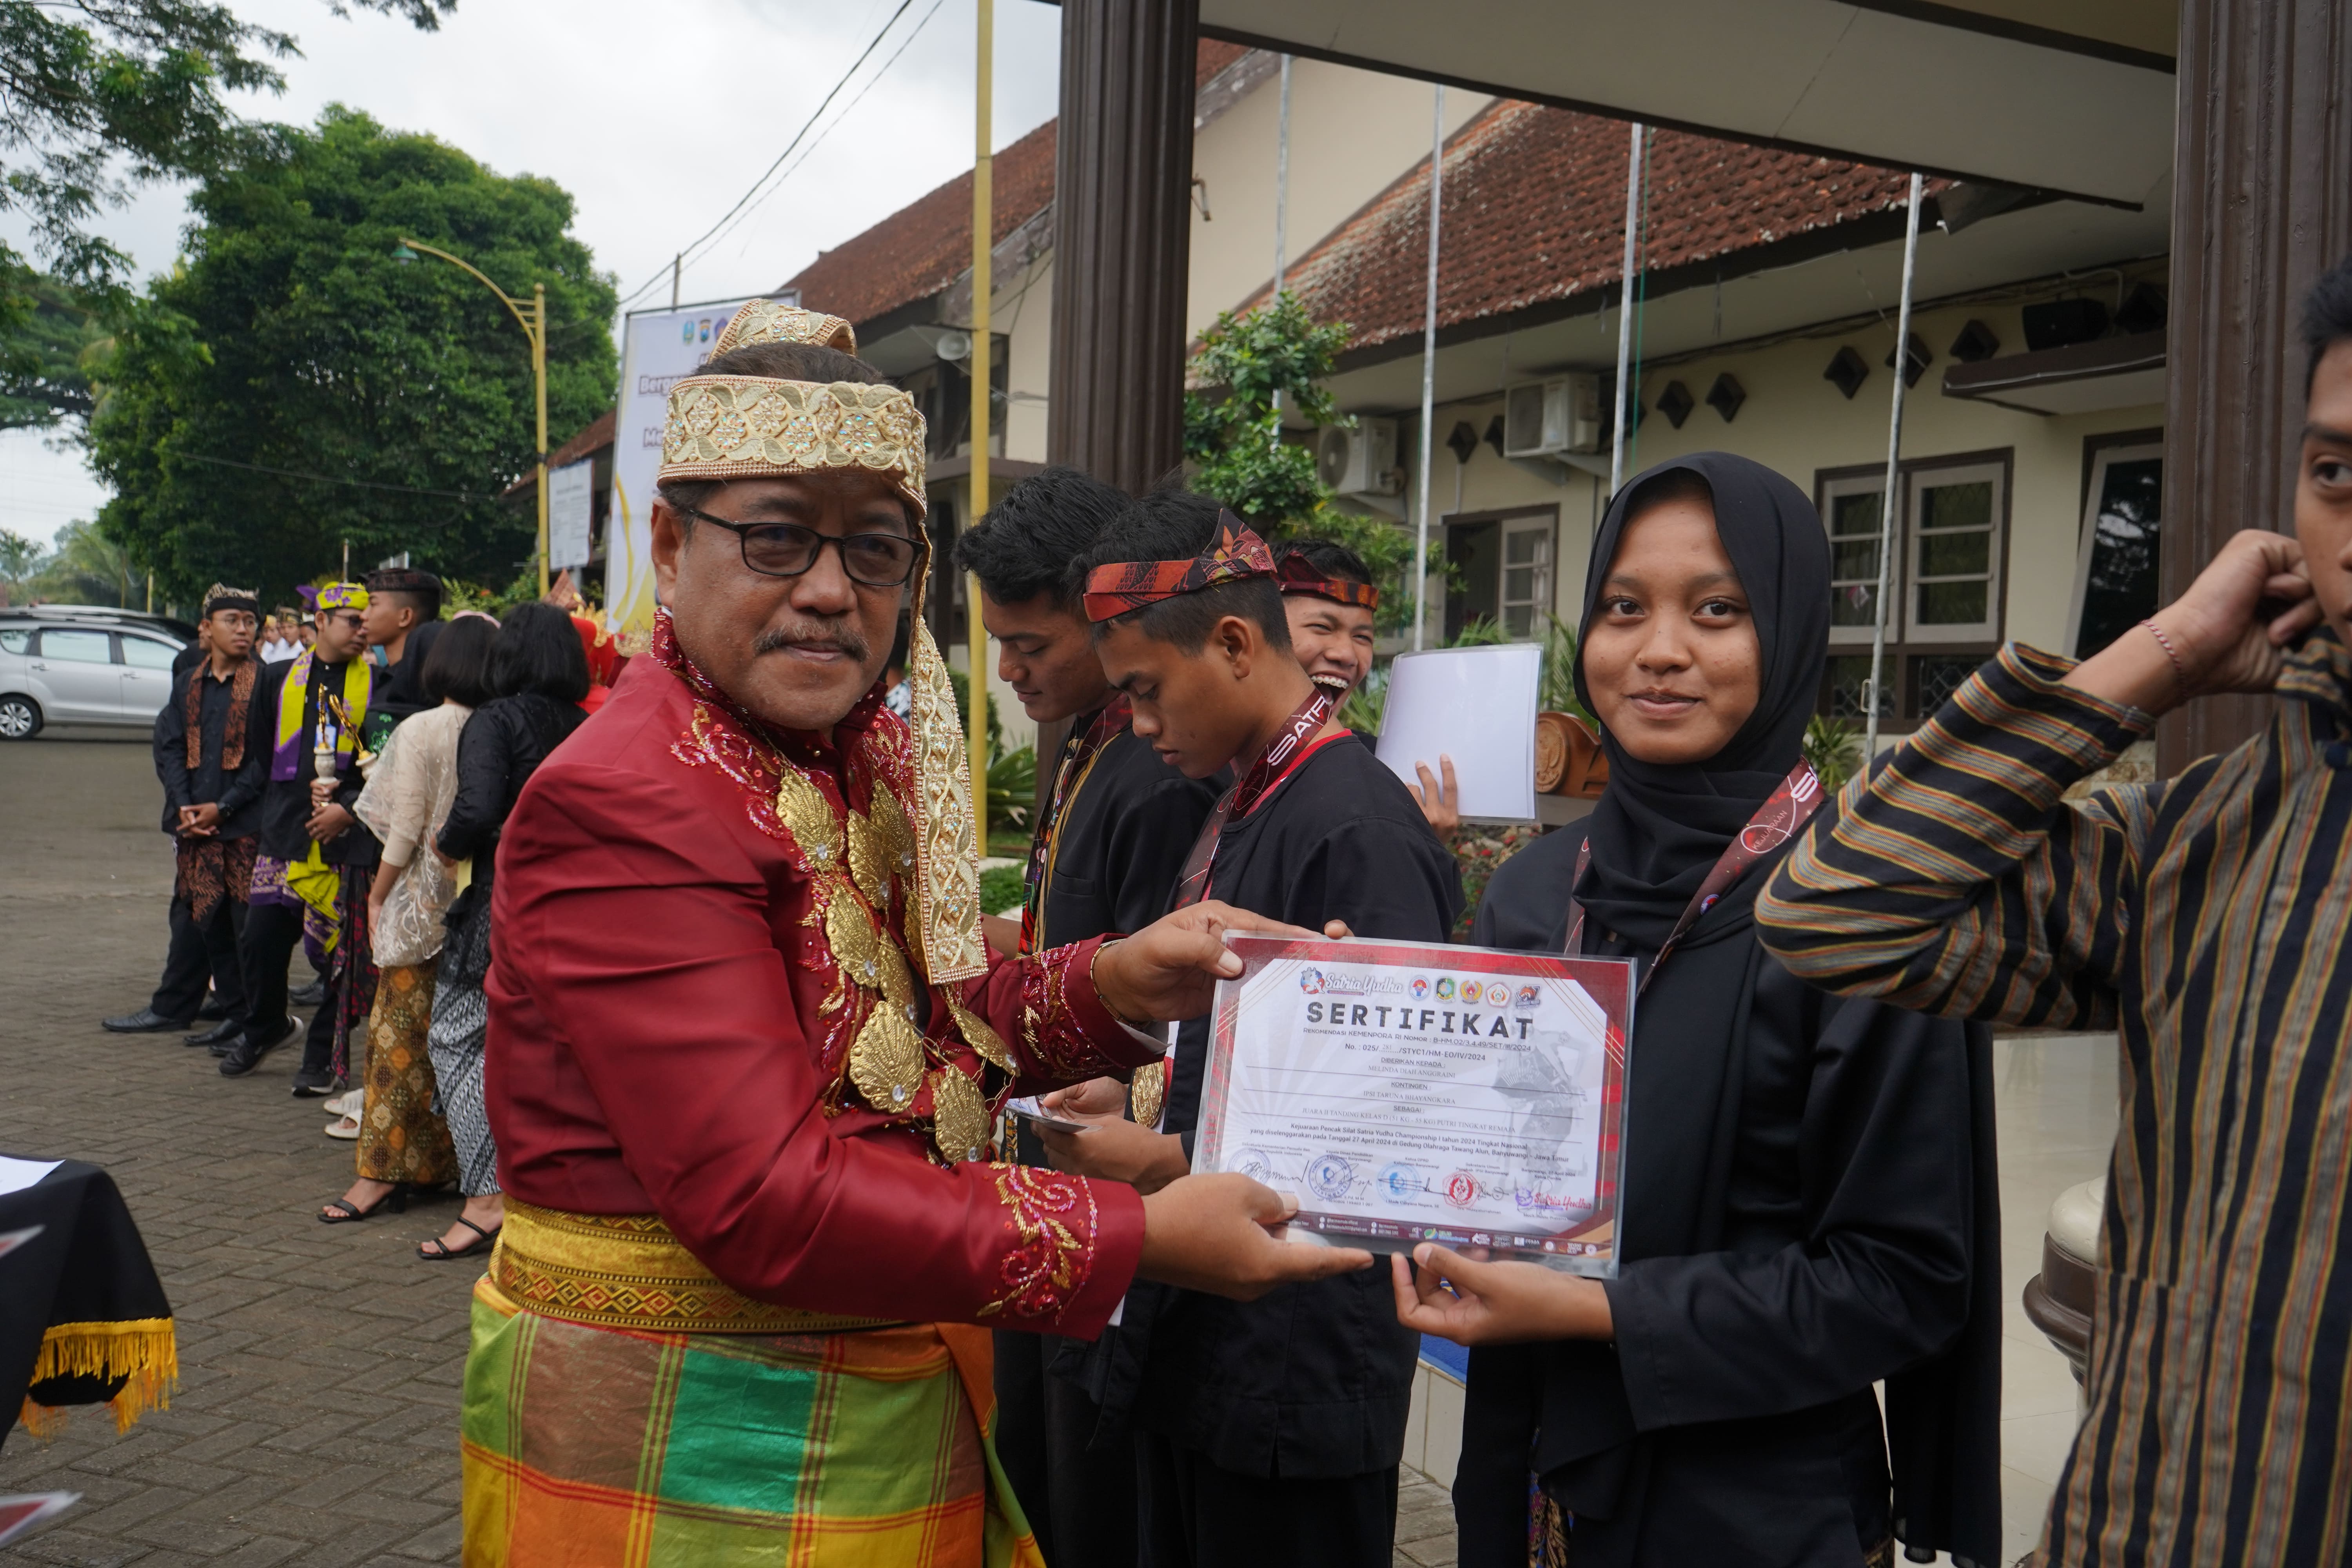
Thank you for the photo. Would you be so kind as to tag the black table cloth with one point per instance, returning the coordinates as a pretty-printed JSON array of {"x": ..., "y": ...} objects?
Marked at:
[{"x": 83, "y": 1318}]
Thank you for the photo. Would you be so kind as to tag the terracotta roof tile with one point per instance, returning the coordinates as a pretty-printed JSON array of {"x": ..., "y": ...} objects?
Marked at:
[
  {"x": 1534, "y": 202},
  {"x": 595, "y": 438},
  {"x": 927, "y": 245}
]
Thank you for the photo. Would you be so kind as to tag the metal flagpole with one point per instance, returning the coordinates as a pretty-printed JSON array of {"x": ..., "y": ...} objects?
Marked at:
[
  {"x": 1429, "y": 367},
  {"x": 983, "y": 285},
  {"x": 1887, "y": 498},
  {"x": 1626, "y": 314},
  {"x": 1281, "y": 178},
  {"x": 1281, "y": 216}
]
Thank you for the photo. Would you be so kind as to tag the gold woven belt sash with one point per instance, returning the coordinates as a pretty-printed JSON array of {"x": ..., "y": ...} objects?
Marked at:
[{"x": 629, "y": 1271}]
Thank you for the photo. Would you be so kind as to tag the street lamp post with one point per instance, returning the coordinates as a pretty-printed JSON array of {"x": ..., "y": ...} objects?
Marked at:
[{"x": 533, "y": 317}]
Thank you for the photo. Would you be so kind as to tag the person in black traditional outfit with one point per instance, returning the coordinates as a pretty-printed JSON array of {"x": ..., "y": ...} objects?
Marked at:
[
  {"x": 402, "y": 618},
  {"x": 1271, "y": 1432},
  {"x": 1103, "y": 859},
  {"x": 310, "y": 845},
  {"x": 211, "y": 780},
  {"x": 1811, "y": 1200}
]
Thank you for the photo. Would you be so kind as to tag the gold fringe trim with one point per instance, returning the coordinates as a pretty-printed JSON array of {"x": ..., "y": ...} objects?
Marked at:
[{"x": 146, "y": 1350}]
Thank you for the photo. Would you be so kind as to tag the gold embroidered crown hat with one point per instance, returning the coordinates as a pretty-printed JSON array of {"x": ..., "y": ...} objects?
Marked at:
[{"x": 748, "y": 427}]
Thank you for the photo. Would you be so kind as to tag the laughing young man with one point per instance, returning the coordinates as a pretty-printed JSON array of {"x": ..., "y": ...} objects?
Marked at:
[
  {"x": 1267, "y": 1432},
  {"x": 1329, "y": 598},
  {"x": 753, "y": 1211},
  {"x": 1104, "y": 858}
]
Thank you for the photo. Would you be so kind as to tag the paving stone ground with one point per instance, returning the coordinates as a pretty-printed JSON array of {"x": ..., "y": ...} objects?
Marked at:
[{"x": 317, "y": 1417}]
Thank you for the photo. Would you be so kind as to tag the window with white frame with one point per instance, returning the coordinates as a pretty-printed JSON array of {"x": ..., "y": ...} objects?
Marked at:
[
  {"x": 1945, "y": 589},
  {"x": 1501, "y": 568}
]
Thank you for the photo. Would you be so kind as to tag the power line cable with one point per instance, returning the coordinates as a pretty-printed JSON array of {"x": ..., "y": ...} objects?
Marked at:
[
  {"x": 331, "y": 479},
  {"x": 831, "y": 94},
  {"x": 846, "y": 110}
]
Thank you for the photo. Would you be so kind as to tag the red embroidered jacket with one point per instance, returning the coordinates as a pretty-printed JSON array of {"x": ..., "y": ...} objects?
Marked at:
[{"x": 666, "y": 1032}]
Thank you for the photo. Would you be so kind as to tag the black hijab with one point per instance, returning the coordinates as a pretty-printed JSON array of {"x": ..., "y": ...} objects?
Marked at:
[
  {"x": 1659, "y": 828},
  {"x": 1560, "y": 1409}
]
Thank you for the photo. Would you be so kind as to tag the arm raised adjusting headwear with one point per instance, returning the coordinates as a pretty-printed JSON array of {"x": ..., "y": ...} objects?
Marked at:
[{"x": 747, "y": 426}]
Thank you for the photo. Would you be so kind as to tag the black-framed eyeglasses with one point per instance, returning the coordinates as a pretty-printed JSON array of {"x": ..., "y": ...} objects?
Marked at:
[{"x": 788, "y": 550}]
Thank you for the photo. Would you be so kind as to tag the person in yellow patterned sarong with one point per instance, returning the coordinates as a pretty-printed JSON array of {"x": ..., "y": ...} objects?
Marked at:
[{"x": 747, "y": 1050}]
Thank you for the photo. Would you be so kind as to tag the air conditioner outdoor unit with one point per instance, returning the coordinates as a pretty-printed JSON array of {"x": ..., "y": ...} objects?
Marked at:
[
  {"x": 1547, "y": 418},
  {"x": 1362, "y": 461}
]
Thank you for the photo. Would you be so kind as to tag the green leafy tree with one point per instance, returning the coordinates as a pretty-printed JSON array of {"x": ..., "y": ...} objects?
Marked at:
[
  {"x": 104, "y": 93},
  {"x": 88, "y": 568},
  {"x": 20, "y": 559},
  {"x": 46, "y": 351},
  {"x": 1268, "y": 362},
  {"x": 293, "y": 386}
]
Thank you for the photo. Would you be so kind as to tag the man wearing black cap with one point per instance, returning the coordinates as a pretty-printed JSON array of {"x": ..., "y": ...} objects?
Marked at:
[{"x": 211, "y": 779}]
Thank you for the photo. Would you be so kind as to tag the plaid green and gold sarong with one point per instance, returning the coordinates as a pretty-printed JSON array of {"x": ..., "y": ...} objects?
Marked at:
[{"x": 593, "y": 1446}]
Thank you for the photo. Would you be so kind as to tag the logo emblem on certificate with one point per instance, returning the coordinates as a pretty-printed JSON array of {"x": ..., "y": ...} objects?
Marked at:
[{"x": 1482, "y": 1109}]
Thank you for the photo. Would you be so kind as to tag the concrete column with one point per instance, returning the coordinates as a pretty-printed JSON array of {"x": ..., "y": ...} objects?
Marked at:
[
  {"x": 2261, "y": 204},
  {"x": 1122, "y": 237}
]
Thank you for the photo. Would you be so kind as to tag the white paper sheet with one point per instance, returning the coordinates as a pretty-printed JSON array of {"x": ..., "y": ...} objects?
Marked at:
[
  {"x": 1477, "y": 705},
  {"x": 16, "y": 1174}
]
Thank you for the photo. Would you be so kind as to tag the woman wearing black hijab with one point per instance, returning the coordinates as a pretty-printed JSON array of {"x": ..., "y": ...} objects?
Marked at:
[{"x": 1810, "y": 1199}]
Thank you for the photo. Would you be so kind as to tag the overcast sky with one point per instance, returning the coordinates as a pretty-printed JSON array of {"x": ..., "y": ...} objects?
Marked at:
[{"x": 656, "y": 118}]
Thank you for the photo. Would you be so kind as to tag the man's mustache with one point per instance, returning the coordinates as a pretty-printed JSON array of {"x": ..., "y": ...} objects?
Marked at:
[{"x": 842, "y": 633}]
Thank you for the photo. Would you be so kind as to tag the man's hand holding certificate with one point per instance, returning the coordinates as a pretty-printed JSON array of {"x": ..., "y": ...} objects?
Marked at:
[{"x": 1413, "y": 1093}]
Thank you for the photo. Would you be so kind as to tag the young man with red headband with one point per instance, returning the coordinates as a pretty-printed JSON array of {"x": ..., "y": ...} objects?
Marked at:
[
  {"x": 1268, "y": 1433},
  {"x": 1329, "y": 596},
  {"x": 1105, "y": 856}
]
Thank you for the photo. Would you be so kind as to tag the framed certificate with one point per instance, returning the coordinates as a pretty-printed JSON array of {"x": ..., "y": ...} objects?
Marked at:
[{"x": 1408, "y": 1094}]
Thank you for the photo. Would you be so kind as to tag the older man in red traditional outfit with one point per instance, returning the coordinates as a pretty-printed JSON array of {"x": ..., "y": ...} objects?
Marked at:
[{"x": 745, "y": 1126}]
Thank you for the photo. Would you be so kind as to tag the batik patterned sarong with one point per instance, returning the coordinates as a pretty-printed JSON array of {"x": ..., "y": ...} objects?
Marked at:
[
  {"x": 401, "y": 1137},
  {"x": 630, "y": 1448}
]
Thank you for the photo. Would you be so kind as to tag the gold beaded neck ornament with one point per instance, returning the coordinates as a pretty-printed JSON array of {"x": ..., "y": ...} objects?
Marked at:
[{"x": 748, "y": 426}]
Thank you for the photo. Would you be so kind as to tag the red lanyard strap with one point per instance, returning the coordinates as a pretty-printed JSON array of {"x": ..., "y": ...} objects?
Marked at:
[
  {"x": 1788, "y": 809},
  {"x": 1287, "y": 751}
]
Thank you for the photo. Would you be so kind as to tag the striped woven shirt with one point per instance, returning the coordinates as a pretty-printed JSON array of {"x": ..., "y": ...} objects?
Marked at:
[{"x": 2209, "y": 919}]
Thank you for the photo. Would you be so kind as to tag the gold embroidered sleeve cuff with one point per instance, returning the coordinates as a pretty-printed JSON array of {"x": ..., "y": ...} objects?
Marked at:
[
  {"x": 1071, "y": 1250},
  {"x": 1066, "y": 1033}
]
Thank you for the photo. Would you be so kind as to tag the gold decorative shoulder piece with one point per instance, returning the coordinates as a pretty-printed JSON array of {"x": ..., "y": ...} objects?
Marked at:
[
  {"x": 748, "y": 426},
  {"x": 773, "y": 321},
  {"x": 947, "y": 844}
]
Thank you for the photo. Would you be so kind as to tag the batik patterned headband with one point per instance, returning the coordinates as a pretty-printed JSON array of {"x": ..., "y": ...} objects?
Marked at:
[
  {"x": 221, "y": 597},
  {"x": 1298, "y": 575},
  {"x": 1235, "y": 557},
  {"x": 335, "y": 596}
]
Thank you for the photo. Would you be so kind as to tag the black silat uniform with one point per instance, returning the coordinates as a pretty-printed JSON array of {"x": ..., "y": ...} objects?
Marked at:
[
  {"x": 1270, "y": 1431},
  {"x": 1113, "y": 857}
]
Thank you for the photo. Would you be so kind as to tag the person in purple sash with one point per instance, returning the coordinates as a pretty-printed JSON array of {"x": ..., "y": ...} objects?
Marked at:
[{"x": 1810, "y": 1204}]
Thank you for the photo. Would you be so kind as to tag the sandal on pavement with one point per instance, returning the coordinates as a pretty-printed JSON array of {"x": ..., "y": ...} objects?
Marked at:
[
  {"x": 345, "y": 1104},
  {"x": 345, "y": 1127},
  {"x": 343, "y": 1211},
  {"x": 442, "y": 1254}
]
